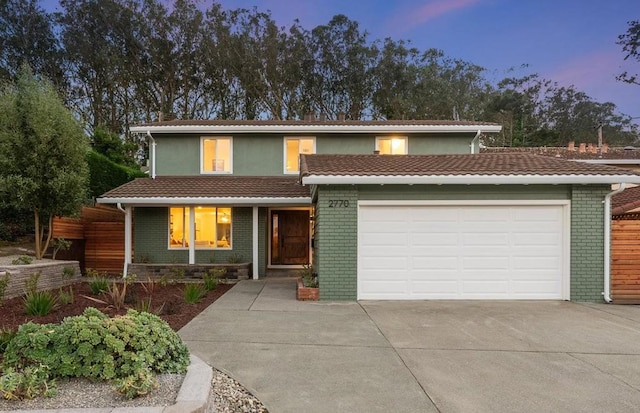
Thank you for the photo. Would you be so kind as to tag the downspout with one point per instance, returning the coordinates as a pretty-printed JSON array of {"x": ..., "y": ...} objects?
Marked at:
[
  {"x": 153, "y": 155},
  {"x": 126, "y": 264},
  {"x": 607, "y": 242},
  {"x": 474, "y": 140}
]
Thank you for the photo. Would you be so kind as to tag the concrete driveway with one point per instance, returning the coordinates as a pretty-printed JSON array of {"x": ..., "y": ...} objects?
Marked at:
[{"x": 426, "y": 356}]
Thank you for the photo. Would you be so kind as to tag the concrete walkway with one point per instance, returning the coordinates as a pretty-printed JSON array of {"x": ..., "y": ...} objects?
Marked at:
[{"x": 425, "y": 356}]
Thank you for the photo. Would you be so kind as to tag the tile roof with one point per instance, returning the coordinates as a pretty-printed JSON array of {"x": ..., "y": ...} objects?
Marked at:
[
  {"x": 625, "y": 201},
  {"x": 211, "y": 187},
  {"x": 450, "y": 165},
  {"x": 227, "y": 122}
]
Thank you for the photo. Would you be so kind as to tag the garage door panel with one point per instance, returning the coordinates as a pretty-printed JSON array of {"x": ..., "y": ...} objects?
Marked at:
[
  {"x": 461, "y": 252},
  {"x": 434, "y": 239}
]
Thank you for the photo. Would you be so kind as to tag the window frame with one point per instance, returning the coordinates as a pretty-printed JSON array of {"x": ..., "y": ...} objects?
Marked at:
[
  {"x": 187, "y": 223},
  {"x": 205, "y": 138},
  {"x": 391, "y": 138},
  {"x": 284, "y": 157}
]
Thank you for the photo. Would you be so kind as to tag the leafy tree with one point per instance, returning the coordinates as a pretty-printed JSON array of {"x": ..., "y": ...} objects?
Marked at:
[
  {"x": 114, "y": 147},
  {"x": 630, "y": 42},
  {"x": 42, "y": 154},
  {"x": 27, "y": 37}
]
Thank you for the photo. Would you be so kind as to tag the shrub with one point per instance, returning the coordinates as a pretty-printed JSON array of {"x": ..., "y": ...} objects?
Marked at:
[
  {"x": 31, "y": 284},
  {"x": 6, "y": 335},
  {"x": 27, "y": 384},
  {"x": 194, "y": 292},
  {"x": 60, "y": 244},
  {"x": 104, "y": 174},
  {"x": 92, "y": 345},
  {"x": 22, "y": 260},
  {"x": 65, "y": 296},
  {"x": 68, "y": 272},
  {"x": 210, "y": 282},
  {"x": 98, "y": 285},
  {"x": 39, "y": 303}
]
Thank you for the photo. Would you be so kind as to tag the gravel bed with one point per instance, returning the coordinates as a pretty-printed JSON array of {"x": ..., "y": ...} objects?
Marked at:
[
  {"x": 83, "y": 393},
  {"x": 228, "y": 396}
]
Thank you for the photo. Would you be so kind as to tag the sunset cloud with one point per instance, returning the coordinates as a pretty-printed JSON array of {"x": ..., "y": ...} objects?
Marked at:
[{"x": 410, "y": 18}]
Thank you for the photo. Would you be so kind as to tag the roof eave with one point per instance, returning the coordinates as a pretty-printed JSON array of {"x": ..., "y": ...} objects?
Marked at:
[
  {"x": 315, "y": 128},
  {"x": 469, "y": 179},
  {"x": 204, "y": 200}
]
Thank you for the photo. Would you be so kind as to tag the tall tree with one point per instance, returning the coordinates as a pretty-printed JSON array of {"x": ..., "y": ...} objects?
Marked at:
[
  {"x": 27, "y": 37},
  {"x": 630, "y": 42},
  {"x": 42, "y": 154}
]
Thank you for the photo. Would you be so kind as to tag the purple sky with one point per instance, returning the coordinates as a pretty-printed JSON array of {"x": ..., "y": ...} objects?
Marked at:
[{"x": 572, "y": 42}]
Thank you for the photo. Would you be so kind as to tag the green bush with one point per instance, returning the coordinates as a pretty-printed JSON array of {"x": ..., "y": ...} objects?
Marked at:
[
  {"x": 104, "y": 174},
  {"x": 210, "y": 281},
  {"x": 27, "y": 384},
  {"x": 97, "y": 347},
  {"x": 22, "y": 260},
  {"x": 6, "y": 335},
  {"x": 193, "y": 293},
  {"x": 98, "y": 285},
  {"x": 39, "y": 303}
]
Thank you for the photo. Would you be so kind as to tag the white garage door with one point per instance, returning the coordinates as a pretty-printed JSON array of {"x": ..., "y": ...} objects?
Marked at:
[{"x": 462, "y": 252}]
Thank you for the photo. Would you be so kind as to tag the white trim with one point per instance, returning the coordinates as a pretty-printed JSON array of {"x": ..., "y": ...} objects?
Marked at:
[
  {"x": 391, "y": 138},
  {"x": 216, "y": 138},
  {"x": 323, "y": 128},
  {"x": 566, "y": 227},
  {"x": 607, "y": 242},
  {"x": 127, "y": 240},
  {"x": 255, "y": 249},
  {"x": 610, "y": 161},
  {"x": 284, "y": 148},
  {"x": 463, "y": 202},
  {"x": 192, "y": 234},
  {"x": 221, "y": 201},
  {"x": 467, "y": 179}
]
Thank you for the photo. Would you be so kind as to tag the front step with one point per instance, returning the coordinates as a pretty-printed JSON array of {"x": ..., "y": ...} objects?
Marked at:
[{"x": 283, "y": 273}]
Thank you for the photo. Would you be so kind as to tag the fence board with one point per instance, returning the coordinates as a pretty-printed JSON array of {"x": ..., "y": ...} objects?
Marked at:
[
  {"x": 67, "y": 228},
  {"x": 625, "y": 261},
  {"x": 104, "y": 248}
]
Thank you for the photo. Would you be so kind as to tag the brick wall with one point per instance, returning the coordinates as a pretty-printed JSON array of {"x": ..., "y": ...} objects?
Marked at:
[
  {"x": 51, "y": 276},
  {"x": 587, "y": 242},
  {"x": 336, "y": 243}
]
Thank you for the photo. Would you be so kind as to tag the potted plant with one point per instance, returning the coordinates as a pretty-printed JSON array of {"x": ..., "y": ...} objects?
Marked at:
[{"x": 308, "y": 285}]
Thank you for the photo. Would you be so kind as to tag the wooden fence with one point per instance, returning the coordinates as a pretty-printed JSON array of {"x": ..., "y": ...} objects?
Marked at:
[
  {"x": 100, "y": 233},
  {"x": 625, "y": 261}
]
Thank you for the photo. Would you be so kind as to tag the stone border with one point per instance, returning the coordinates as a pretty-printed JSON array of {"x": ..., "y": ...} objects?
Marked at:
[{"x": 193, "y": 397}]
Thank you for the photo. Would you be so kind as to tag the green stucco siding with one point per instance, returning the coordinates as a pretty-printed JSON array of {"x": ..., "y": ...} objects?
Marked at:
[
  {"x": 177, "y": 155},
  {"x": 263, "y": 154},
  {"x": 587, "y": 242},
  {"x": 151, "y": 239},
  {"x": 336, "y": 242},
  {"x": 463, "y": 192}
]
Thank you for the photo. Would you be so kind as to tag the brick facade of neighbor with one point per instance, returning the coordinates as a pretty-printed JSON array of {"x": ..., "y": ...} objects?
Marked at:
[
  {"x": 337, "y": 242},
  {"x": 587, "y": 242}
]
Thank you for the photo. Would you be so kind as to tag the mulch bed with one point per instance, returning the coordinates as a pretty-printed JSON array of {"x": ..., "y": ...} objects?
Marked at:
[{"x": 166, "y": 301}]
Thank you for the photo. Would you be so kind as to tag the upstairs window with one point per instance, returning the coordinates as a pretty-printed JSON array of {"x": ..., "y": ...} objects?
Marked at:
[
  {"x": 293, "y": 147},
  {"x": 212, "y": 227},
  {"x": 392, "y": 145},
  {"x": 216, "y": 156}
]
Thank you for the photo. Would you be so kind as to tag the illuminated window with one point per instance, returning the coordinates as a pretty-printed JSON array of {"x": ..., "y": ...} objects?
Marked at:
[
  {"x": 293, "y": 147},
  {"x": 216, "y": 155},
  {"x": 212, "y": 227},
  {"x": 392, "y": 145}
]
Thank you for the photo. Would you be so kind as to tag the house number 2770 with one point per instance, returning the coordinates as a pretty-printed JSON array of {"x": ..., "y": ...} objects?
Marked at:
[{"x": 338, "y": 203}]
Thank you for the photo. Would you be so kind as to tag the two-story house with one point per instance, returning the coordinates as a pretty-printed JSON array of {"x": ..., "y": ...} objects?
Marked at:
[{"x": 383, "y": 209}]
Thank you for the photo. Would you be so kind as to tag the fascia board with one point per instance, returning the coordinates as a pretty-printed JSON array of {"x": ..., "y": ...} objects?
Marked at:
[
  {"x": 316, "y": 128},
  {"x": 203, "y": 200},
  {"x": 469, "y": 179}
]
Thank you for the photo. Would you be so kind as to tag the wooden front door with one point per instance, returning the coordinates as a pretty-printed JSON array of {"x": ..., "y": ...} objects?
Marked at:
[{"x": 289, "y": 237}]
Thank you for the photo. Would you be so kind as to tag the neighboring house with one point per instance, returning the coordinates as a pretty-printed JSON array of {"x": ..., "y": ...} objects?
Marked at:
[{"x": 437, "y": 221}]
